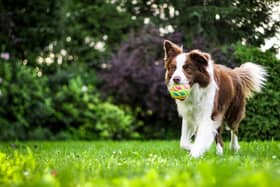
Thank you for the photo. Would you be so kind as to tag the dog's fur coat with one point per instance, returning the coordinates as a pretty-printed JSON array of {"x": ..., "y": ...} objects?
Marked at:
[{"x": 218, "y": 95}]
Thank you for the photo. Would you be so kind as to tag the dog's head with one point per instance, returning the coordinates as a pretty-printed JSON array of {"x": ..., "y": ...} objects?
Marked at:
[{"x": 186, "y": 68}]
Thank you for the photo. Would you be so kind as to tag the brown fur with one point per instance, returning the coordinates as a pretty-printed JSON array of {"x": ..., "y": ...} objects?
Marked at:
[
  {"x": 172, "y": 50},
  {"x": 194, "y": 68},
  {"x": 219, "y": 138},
  {"x": 230, "y": 100}
]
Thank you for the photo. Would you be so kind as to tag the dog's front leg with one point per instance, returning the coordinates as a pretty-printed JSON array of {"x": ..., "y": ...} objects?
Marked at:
[
  {"x": 186, "y": 134},
  {"x": 204, "y": 138}
]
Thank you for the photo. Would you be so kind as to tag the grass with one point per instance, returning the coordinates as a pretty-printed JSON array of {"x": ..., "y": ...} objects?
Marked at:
[{"x": 137, "y": 164}]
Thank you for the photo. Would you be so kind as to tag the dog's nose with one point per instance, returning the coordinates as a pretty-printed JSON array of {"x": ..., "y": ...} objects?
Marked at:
[{"x": 176, "y": 79}]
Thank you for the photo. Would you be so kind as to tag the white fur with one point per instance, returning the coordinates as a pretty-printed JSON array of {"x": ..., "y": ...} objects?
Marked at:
[
  {"x": 258, "y": 74},
  {"x": 219, "y": 149},
  {"x": 180, "y": 61},
  {"x": 186, "y": 133},
  {"x": 234, "y": 146},
  {"x": 196, "y": 111}
]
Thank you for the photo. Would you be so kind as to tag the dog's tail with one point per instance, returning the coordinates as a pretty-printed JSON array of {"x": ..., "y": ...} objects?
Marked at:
[{"x": 253, "y": 78}]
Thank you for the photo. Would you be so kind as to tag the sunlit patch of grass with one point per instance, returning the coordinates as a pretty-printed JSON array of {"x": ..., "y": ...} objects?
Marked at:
[{"x": 136, "y": 163}]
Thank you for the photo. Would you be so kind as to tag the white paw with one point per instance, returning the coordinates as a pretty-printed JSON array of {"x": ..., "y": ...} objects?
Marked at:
[
  {"x": 186, "y": 146},
  {"x": 219, "y": 149},
  {"x": 196, "y": 152},
  {"x": 235, "y": 147}
]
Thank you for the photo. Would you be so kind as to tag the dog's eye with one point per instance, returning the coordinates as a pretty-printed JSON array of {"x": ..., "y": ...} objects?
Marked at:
[
  {"x": 172, "y": 67},
  {"x": 186, "y": 67}
]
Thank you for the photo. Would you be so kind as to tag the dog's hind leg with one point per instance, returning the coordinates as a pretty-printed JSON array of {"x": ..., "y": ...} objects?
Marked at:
[
  {"x": 218, "y": 120},
  {"x": 219, "y": 141},
  {"x": 234, "y": 116},
  {"x": 234, "y": 145}
]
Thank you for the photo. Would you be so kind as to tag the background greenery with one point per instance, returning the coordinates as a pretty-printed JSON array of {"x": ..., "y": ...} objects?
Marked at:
[{"x": 93, "y": 69}]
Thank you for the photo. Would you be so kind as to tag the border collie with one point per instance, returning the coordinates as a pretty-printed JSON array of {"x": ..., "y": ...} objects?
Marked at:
[{"x": 218, "y": 94}]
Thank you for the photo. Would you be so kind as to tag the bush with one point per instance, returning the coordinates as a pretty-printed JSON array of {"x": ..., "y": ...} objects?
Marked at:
[
  {"x": 262, "y": 116},
  {"x": 111, "y": 122},
  {"x": 79, "y": 109},
  {"x": 61, "y": 105},
  {"x": 24, "y": 102}
]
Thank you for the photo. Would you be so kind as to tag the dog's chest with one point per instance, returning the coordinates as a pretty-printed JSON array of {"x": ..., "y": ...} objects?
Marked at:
[
  {"x": 188, "y": 111},
  {"x": 197, "y": 107}
]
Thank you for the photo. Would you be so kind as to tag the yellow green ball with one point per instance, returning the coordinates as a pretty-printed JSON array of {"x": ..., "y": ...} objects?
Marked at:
[{"x": 179, "y": 91}]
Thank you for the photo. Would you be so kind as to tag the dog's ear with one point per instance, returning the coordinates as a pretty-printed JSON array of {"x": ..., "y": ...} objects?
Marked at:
[
  {"x": 207, "y": 56},
  {"x": 199, "y": 57},
  {"x": 170, "y": 49},
  {"x": 201, "y": 61}
]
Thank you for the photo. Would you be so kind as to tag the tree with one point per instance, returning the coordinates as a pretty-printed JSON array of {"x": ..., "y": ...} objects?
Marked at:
[
  {"x": 82, "y": 28},
  {"x": 220, "y": 22},
  {"x": 26, "y": 27}
]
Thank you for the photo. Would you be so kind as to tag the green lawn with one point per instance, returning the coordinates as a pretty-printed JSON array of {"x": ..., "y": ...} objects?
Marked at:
[{"x": 133, "y": 163}]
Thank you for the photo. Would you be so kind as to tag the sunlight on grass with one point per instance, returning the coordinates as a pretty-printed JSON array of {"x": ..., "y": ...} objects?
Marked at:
[{"x": 133, "y": 163}]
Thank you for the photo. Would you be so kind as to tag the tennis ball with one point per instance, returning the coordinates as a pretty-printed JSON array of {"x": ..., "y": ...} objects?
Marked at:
[{"x": 179, "y": 91}]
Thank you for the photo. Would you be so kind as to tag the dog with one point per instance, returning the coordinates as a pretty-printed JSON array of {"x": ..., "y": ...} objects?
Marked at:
[{"x": 218, "y": 95}]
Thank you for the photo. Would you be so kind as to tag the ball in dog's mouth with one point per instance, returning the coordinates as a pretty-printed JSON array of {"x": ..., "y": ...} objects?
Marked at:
[{"x": 179, "y": 91}]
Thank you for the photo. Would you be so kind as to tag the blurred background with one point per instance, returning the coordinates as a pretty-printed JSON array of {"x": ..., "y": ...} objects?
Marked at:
[{"x": 93, "y": 69}]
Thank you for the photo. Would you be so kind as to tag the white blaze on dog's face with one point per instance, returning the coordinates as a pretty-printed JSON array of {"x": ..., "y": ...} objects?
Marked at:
[{"x": 185, "y": 68}]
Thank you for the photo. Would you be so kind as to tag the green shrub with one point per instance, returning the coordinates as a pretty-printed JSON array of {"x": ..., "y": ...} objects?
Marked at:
[
  {"x": 23, "y": 101},
  {"x": 262, "y": 116},
  {"x": 87, "y": 117},
  {"x": 61, "y": 105},
  {"x": 111, "y": 122}
]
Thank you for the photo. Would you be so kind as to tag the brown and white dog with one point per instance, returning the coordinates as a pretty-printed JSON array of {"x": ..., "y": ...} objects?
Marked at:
[{"x": 218, "y": 94}]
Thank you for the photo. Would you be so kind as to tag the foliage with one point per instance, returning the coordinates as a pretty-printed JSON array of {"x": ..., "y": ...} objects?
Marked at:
[
  {"x": 26, "y": 26},
  {"x": 64, "y": 42},
  {"x": 79, "y": 108},
  {"x": 56, "y": 48},
  {"x": 39, "y": 109},
  {"x": 262, "y": 115},
  {"x": 82, "y": 28},
  {"x": 23, "y": 99},
  {"x": 155, "y": 163},
  {"x": 221, "y": 22},
  {"x": 98, "y": 23}
]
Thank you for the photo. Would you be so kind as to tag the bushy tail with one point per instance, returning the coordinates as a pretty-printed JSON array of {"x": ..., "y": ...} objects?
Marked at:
[{"x": 253, "y": 78}]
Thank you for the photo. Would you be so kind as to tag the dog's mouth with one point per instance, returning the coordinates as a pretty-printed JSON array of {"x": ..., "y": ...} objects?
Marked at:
[{"x": 185, "y": 86}]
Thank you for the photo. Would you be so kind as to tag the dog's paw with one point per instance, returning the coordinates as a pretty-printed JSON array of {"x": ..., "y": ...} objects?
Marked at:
[
  {"x": 196, "y": 152},
  {"x": 219, "y": 149},
  {"x": 235, "y": 148},
  {"x": 186, "y": 146}
]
